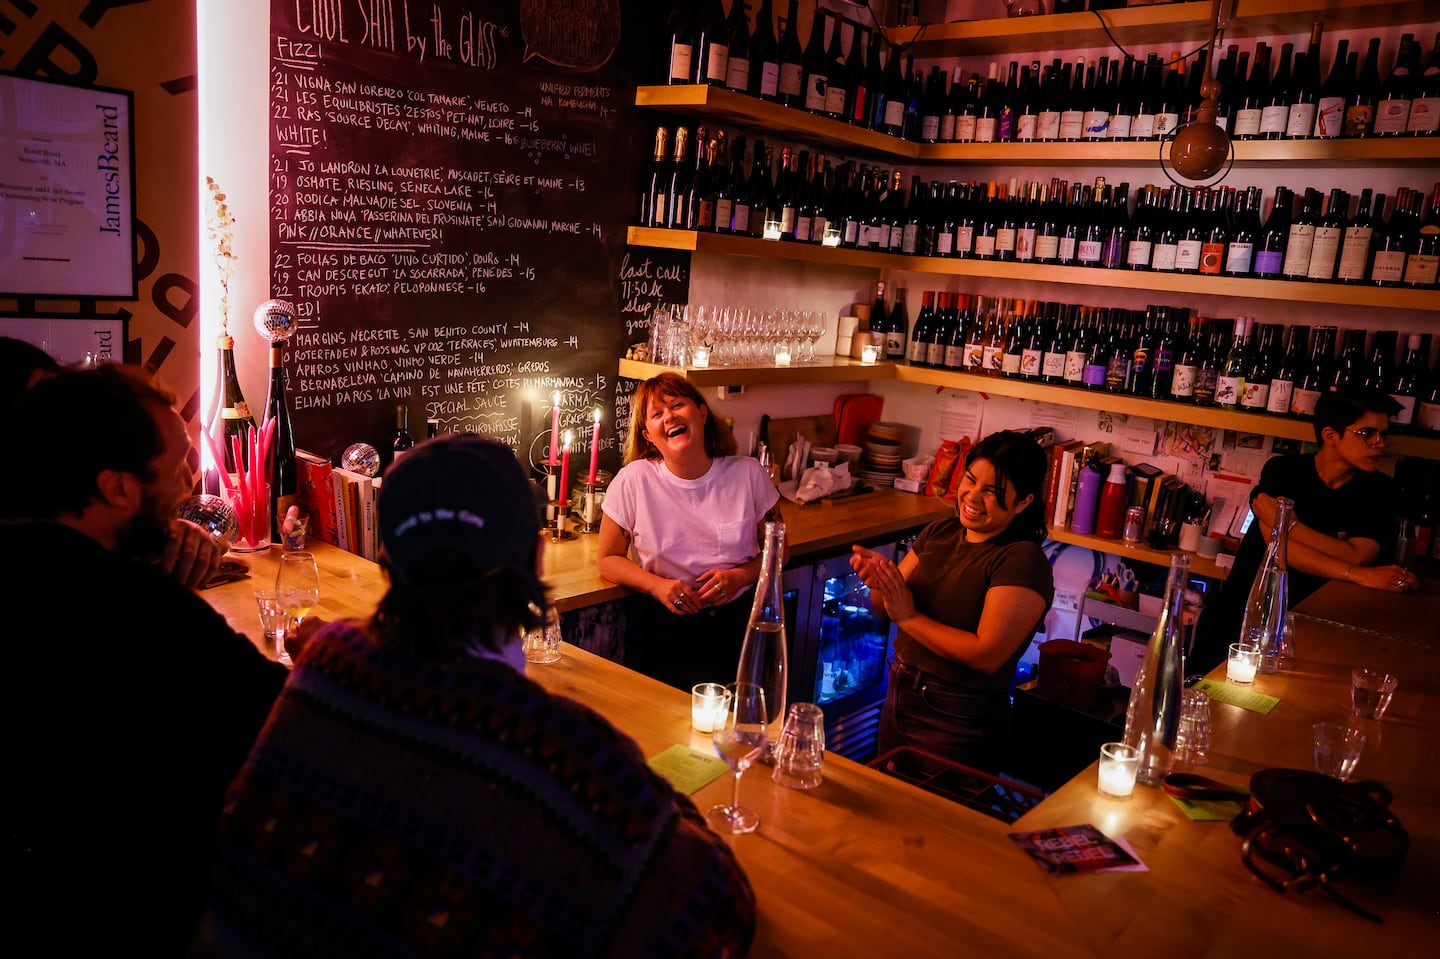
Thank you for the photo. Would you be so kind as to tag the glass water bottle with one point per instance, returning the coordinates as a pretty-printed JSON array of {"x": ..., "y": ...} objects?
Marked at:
[
  {"x": 764, "y": 657},
  {"x": 1152, "y": 720},
  {"x": 1264, "y": 624}
]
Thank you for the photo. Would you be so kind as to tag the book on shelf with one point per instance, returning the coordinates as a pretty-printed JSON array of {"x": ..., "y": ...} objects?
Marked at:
[
  {"x": 1063, "y": 469},
  {"x": 1146, "y": 481},
  {"x": 317, "y": 497},
  {"x": 355, "y": 511}
]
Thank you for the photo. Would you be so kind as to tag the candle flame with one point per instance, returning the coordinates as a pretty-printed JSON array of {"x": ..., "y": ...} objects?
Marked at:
[
  {"x": 597, "y": 415},
  {"x": 569, "y": 437},
  {"x": 555, "y": 398}
]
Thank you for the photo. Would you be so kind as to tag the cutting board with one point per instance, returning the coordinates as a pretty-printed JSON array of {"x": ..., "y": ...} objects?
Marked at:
[{"x": 818, "y": 430}]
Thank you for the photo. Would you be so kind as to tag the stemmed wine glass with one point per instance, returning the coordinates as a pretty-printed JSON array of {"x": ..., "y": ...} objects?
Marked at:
[
  {"x": 297, "y": 590},
  {"x": 740, "y": 740}
]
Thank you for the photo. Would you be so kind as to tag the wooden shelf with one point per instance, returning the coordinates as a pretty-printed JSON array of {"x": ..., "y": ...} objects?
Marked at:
[
  {"x": 838, "y": 369},
  {"x": 716, "y": 104},
  {"x": 1188, "y": 24},
  {"x": 1199, "y": 565},
  {"x": 726, "y": 244}
]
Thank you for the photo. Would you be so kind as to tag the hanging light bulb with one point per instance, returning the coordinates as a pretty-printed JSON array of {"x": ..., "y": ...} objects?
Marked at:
[{"x": 1200, "y": 148}]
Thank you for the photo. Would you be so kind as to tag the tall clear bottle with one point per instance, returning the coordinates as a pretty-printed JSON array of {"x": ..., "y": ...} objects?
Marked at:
[
  {"x": 1152, "y": 719},
  {"x": 764, "y": 657},
  {"x": 1265, "y": 609}
]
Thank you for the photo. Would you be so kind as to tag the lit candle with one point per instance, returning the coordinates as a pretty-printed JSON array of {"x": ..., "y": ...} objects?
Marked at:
[
  {"x": 708, "y": 713},
  {"x": 867, "y": 354},
  {"x": 555, "y": 427},
  {"x": 1117, "y": 778},
  {"x": 782, "y": 356},
  {"x": 594, "y": 450},
  {"x": 1240, "y": 668},
  {"x": 565, "y": 468},
  {"x": 701, "y": 359}
]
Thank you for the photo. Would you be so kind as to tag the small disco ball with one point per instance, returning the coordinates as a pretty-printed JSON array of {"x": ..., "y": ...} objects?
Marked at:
[
  {"x": 214, "y": 515},
  {"x": 361, "y": 458},
  {"x": 275, "y": 320}
]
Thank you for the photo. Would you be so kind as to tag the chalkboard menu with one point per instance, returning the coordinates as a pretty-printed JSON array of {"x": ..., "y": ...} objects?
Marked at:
[{"x": 450, "y": 186}]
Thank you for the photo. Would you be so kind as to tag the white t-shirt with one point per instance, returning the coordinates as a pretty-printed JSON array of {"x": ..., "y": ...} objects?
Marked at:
[{"x": 680, "y": 528}]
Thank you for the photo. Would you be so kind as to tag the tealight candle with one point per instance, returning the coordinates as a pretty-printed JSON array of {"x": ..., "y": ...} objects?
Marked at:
[
  {"x": 701, "y": 358},
  {"x": 1240, "y": 667},
  {"x": 782, "y": 356},
  {"x": 868, "y": 354},
  {"x": 709, "y": 702},
  {"x": 1118, "y": 766}
]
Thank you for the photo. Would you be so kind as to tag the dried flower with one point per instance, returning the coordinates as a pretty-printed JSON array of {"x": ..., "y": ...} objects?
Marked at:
[{"x": 220, "y": 223}]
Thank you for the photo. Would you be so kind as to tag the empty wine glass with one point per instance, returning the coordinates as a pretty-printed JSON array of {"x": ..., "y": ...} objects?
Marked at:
[
  {"x": 297, "y": 590},
  {"x": 740, "y": 740}
]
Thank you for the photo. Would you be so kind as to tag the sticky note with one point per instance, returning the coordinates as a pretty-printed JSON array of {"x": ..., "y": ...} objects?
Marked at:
[{"x": 688, "y": 770}]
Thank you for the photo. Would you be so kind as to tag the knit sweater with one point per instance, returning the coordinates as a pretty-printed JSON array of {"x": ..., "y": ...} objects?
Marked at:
[{"x": 395, "y": 808}]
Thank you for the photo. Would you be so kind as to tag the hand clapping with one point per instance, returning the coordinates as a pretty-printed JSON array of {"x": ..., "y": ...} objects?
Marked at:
[{"x": 887, "y": 584}]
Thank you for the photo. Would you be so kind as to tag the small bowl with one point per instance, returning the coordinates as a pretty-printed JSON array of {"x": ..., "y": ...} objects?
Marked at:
[
  {"x": 849, "y": 452},
  {"x": 824, "y": 454}
]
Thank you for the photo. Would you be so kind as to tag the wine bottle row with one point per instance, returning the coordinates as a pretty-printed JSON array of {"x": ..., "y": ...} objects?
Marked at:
[
  {"x": 1263, "y": 94},
  {"x": 1165, "y": 353},
  {"x": 802, "y": 197}
]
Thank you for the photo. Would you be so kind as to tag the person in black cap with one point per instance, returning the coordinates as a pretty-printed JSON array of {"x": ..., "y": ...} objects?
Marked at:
[
  {"x": 1344, "y": 512},
  {"x": 413, "y": 793}
]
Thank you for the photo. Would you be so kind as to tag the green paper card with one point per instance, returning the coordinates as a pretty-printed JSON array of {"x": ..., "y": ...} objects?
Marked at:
[
  {"x": 688, "y": 770},
  {"x": 1238, "y": 696},
  {"x": 1208, "y": 810}
]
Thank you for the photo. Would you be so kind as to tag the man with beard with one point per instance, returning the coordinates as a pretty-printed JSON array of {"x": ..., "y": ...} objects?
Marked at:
[{"x": 136, "y": 702}]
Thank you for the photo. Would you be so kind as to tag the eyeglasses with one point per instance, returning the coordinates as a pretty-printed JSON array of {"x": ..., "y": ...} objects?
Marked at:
[{"x": 1370, "y": 435}]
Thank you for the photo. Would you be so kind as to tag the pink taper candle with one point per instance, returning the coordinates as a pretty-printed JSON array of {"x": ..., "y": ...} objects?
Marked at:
[
  {"x": 564, "y": 468},
  {"x": 595, "y": 450},
  {"x": 555, "y": 426}
]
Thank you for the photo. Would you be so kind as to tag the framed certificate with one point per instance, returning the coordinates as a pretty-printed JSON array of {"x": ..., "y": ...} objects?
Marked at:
[
  {"x": 70, "y": 339},
  {"x": 67, "y": 190}
]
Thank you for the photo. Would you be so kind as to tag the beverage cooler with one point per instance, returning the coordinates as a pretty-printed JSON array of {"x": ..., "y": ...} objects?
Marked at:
[{"x": 839, "y": 652}]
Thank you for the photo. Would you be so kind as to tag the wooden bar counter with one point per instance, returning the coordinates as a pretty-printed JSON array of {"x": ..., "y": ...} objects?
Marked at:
[{"x": 865, "y": 865}]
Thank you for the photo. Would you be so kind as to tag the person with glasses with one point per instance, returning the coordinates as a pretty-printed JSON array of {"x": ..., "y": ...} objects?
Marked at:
[{"x": 1345, "y": 508}]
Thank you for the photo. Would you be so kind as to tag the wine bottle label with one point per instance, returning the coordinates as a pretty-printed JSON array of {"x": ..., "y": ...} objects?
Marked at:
[
  {"x": 1052, "y": 367},
  {"x": 1047, "y": 125},
  {"x": 895, "y": 113},
  {"x": 1389, "y": 266},
  {"x": 1093, "y": 374},
  {"x": 1330, "y": 117},
  {"x": 1268, "y": 262},
  {"x": 1095, "y": 124},
  {"x": 740, "y": 219},
  {"x": 1238, "y": 258},
  {"x": 1247, "y": 123},
  {"x": 835, "y": 99},
  {"x": 864, "y": 236},
  {"x": 965, "y": 128},
  {"x": 1182, "y": 383},
  {"x": 944, "y": 243},
  {"x": 1072, "y": 124},
  {"x": 1323, "y": 250},
  {"x": 1406, "y": 414},
  {"x": 240, "y": 411},
  {"x": 1300, "y": 124},
  {"x": 1066, "y": 251},
  {"x": 850, "y": 236},
  {"x": 1274, "y": 119},
  {"x": 1391, "y": 116},
  {"x": 1142, "y": 127},
  {"x": 992, "y": 357},
  {"x": 787, "y": 221},
  {"x": 954, "y": 357},
  {"x": 770, "y": 78},
  {"x": 1302, "y": 401},
  {"x": 894, "y": 344},
  {"x": 815, "y": 87},
  {"x": 1424, "y": 116},
  {"x": 659, "y": 210},
  {"x": 985, "y": 244},
  {"x": 1088, "y": 251},
  {"x": 1255, "y": 396},
  {"x": 935, "y": 353},
  {"x": 1187, "y": 255},
  {"x": 1281, "y": 392},
  {"x": 1165, "y": 123},
  {"x": 1026, "y": 125},
  {"x": 705, "y": 219},
  {"x": 1297, "y": 249},
  {"x": 1025, "y": 243},
  {"x": 1112, "y": 251},
  {"x": 820, "y": 228},
  {"x": 1005, "y": 240},
  {"x": 1030, "y": 362},
  {"x": 1212, "y": 257},
  {"x": 1427, "y": 416},
  {"x": 918, "y": 352},
  {"x": 908, "y": 237},
  {"x": 930, "y": 127},
  {"x": 1120, "y": 124},
  {"x": 1163, "y": 256},
  {"x": 1421, "y": 269},
  {"x": 790, "y": 77},
  {"x": 1205, "y": 377},
  {"x": 717, "y": 62},
  {"x": 985, "y": 129},
  {"x": 1359, "y": 119},
  {"x": 1010, "y": 362},
  {"x": 1117, "y": 373},
  {"x": 1047, "y": 247},
  {"x": 724, "y": 210},
  {"x": 803, "y": 227},
  {"x": 947, "y": 128},
  {"x": 1074, "y": 367},
  {"x": 681, "y": 57},
  {"x": 737, "y": 74},
  {"x": 897, "y": 235},
  {"x": 974, "y": 356}
]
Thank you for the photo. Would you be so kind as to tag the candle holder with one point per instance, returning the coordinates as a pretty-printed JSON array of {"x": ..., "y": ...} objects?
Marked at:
[
  {"x": 558, "y": 532},
  {"x": 588, "y": 501},
  {"x": 556, "y": 509}
]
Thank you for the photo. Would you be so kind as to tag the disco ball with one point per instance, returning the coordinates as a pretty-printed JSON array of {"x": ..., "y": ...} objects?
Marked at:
[
  {"x": 214, "y": 515},
  {"x": 361, "y": 458},
  {"x": 275, "y": 320}
]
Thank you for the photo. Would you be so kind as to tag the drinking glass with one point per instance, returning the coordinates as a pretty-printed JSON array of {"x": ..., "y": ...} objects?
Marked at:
[
  {"x": 272, "y": 621},
  {"x": 297, "y": 586},
  {"x": 1370, "y": 691},
  {"x": 800, "y": 753},
  {"x": 1337, "y": 749},
  {"x": 739, "y": 740}
]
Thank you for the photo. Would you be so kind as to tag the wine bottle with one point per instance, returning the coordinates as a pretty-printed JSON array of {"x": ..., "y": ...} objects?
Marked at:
[
  {"x": 764, "y": 654},
  {"x": 764, "y": 54},
  {"x": 918, "y": 352},
  {"x": 655, "y": 202},
  {"x": 871, "y": 113},
  {"x": 1006, "y": 226},
  {"x": 815, "y": 79},
  {"x": 1408, "y": 381},
  {"x": 401, "y": 443},
  {"x": 1072, "y": 113},
  {"x": 1192, "y": 234},
  {"x": 1422, "y": 259},
  {"x": 879, "y": 315},
  {"x": 1123, "y": 93},
  {"x": 1217, "y": 231},
  {"x": 1190, "y": 98},
  {"x": 1256, "y": 94},
  {"x": 1270, "y": 252},
  {"x": 1391, "y": 244},
  {"x": 1009, "y": 106},
  {"x": 942, "y": 329},
  {"x": 1207, "y": 371},
  {"x": 1077, "y": 349},
  {"x": 1305, "y": 90},
  {"x": 892, "y": 120},
  {"x": 958, "y": 333},
  {"x": 804, "y": 206},
  {"x": 1301, "y": 239},
  {"x": 1427, "y": 415},
  {"x": 914, "y": 215},
  {"x": 897, "y": 328},
  {"x": 1143, "y": 228},
  {"x": 1027, "y": 106},
  {"x": 856, "y": 80},
  {"x": 1330, "y": 108},
  {"x": 1315, "y": 376},
  {"x": 1166, "y": 250},
  {"x": 1255, "y": 396},
  {"x": 1172, "y": 94},
  {"x": 1358, "y": 240},
  {"x": 987, "y": 118},
  {"x": 914, "y": 93},
  {"x": 1230, "y": 378},
  {"x": 946, "y": 221},
  {"x": 1275, "y": 115},
  {"x": 1090, "y": 241},
  {"x": 1095, "y": 115},
  {"x": 1225, "y": 78},
  {"x": 1187, "y": 363},
  {"x": 235, "y": 418},
  {"x": 1051, "y": 97},
  {"x": 836, "y": 92},
  {"x": 730, "y": 188},
  {"x": 1027, "y": 232},
  {"x": 681, "y": 28},
  {"x": 1287, "y": 371},
  {"x": 1115, "y": 237},
  {"x": 712, "y": 44},
  {"x": 680, "y": 176},
  {"x": 790, "y": 89},
  {"x": 1364, "y": 94},
  {"x": 700, "y": 203},
  {"x": 761, "y": 184},
  {"x": 737, "y": 68},
  {"x": 1329, "y": 232},
  {"x": 1425, "y": 104},
  {"x": 1350, "y": 368},
  {"x": 1052, "y": 362},
  {"x": 932, "y": 106},
  {"x": 284, "y": 476},
  {"x": 1142, "y": 123},
  {"x": 1392, "y": 109},
  {"x": 1240, "y": 250}
]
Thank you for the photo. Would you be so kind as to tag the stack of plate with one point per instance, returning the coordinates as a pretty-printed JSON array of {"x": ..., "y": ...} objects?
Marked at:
[{"x": 880, "y": 463}]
